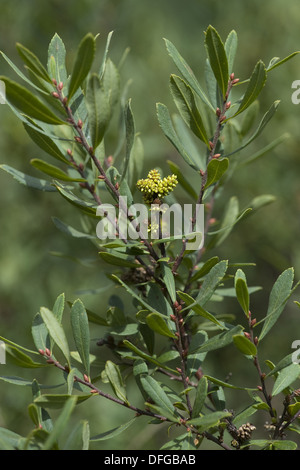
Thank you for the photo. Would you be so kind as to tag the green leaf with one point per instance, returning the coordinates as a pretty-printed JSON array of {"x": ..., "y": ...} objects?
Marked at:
[
  {"x": 86, "y": 207},
  {"x": 29, "y": 181},
  {"x": 187, "y": 72},
  {"x": 221, "y": 340},
  {"x": 201, "y": 394},
  {"x": 56, "y": 332},
  {"x": 71, "y": 231},
  {"x": 99, "y": 110},
  {"x": 205, "y": 268},
  {"x": 215, "y": 170},
  {"x": 277, "y": 63},
  {"x": 45, "y": 143},
  {"x": 112, "y": 433},
  {"x": 158, "y": 324},
  {"x": 9, "y": 440},
  {"x": 40, "y": 333},
  {"x": 241, "y": 290},
  {"x": 115, "y": 379},
  {"x": 130, "y": 134},
  {"x": 244, "y": 345},
  {"x": 83, "y": 63},
  {"x": 211, "y": 281},
  {"x": 217, "y": 58},
  {"x": 118, "y": 259},
  {"x": 221, "y": 383},
  {"x": 59, "y": 400},
  {"x": 231, "y": 48},
  {"x": 186, "y": 105},
  {"x": 279, "y": 295},
  {"x": 81, "y": 333},
  {"x": 21, "y": 359},
  {"x": 285, "y": 378},
  {"x": 167, "y": 127},
  {"x": 158, "y": 395},
  {"x": 198, "y": 309},
  {"x": 169, "y": 280},
  {"x": 265, "y": 120},
  {"x": 52, "y": 170},
  {"x": 270, "y": 444},
  {"x": 33, "y": 62},
  {"x": 57, "y": 55},
  {"x": 61, "y": 422},
  {"x": 255, "y": 85},
  {"x": 79, "y": 437},
  {"x": 205, "y": 422},
  {"x": 147, "y": 357},
  {"x": 28, "y": 103}
]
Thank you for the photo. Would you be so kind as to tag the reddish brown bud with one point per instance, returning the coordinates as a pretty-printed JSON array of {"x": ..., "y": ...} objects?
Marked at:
[
  {"x": 85, "y": 377},
  {"x": 80, "y": 123},
  {"x": 232, "y": 76},
  {"x": 236, "y": 80},
  {"x": 54, "y": 81},
  {"x": 60, "y": 85},
  {"x": 65, "y": 100},
  {"x": 218, "y": 112},
  {"x": 42, "y": 352},
  {"x": 48, "y": 352},
  {"x": 81, "y": 166},
  {"x": 247, "y": 334},
  {"x": 216, "y": 155},
  {"x": 117, "y": 185},
  {"x": 69, "y": 152},
  {"x": 55, "y": 94},
  {"x": 101, "y": 177},
  {"x": 259, "y": 387},
  {"x": 78, "y": 139},
  {"x": 256, "y": 340},
  {"x": 228, "y": 105}
]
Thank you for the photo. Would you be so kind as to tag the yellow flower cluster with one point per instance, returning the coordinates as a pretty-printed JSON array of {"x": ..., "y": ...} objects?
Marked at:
[{"x": 153, "y": 187}]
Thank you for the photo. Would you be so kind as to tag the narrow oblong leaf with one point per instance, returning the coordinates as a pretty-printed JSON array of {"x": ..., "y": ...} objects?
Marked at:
[
  {"x": 45, "y": 143},
  {"x": 231, "y": 48},
  {"x": 198, "y": 309},
  {"x": 57, "y": 55},
  {"x": 83, "y": 62},
  {"x": 99, "y": 110},
  {"x": 56, "y": 331},
  {"x": 112, "y": 432},
  {"x": 115, "y": 379},
  {"x": 158, "y": 395},
  {"x": 27, "y": 180},
  {"x": 169, "y": 280},
  {"x": 244, "y": 345},
  {"x": 279, "y": 295},
  {"x": 241, "y": 290},
  {"x": 211, "y": 281},
  {"x": 215, "y": 170},
  {"x": 81, "y": 333},
  {"x": 187, "y": 72},
  {"x": 52, "y": 170},
  {"x": 60, "y": 423},
  {"x": 200, "y": 398},
  {"x": 33, "y": 62},
  {"x": 28, "y": 103},
  {"x": 158, "y": 324},
  {"x": 255, "y": 85},
  {"x": 130, "y": 134},
  {"x": 186, "y": 105},
  {"x": 217, "y": 58},
  {"x": 205, "y": 422},
  {"x": 285, "y": 378},
  {"x": 167, "y": 127}
]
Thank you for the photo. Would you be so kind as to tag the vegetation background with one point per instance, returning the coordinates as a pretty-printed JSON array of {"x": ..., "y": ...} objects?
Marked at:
[{"x": 30, "y": 276}]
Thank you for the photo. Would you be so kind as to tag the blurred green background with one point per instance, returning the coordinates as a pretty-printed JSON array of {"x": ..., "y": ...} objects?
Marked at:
[{"x": 31, "y": 277}]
